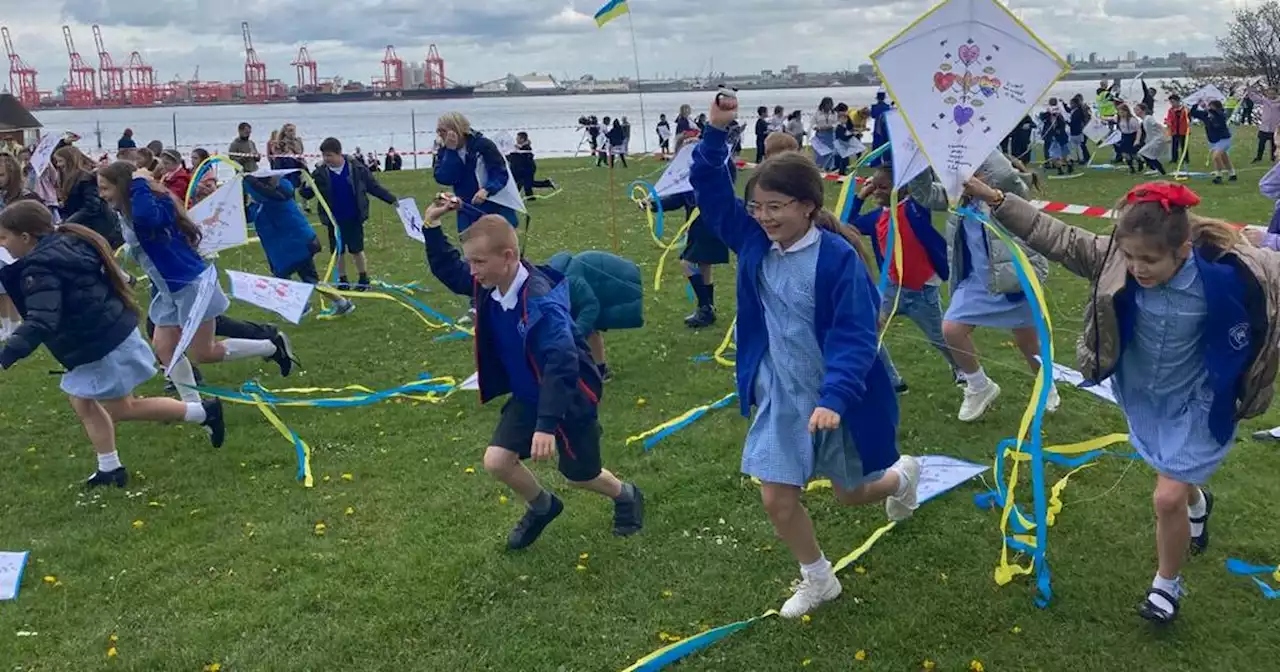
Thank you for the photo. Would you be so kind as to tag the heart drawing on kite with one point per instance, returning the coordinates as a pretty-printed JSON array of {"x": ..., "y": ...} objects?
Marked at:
[
  {"x": 988, "y": 85},
  {"x": 962, "y": 114},
  {"x": 943, "y": 81},
  {"x": 969, "y": 53}
]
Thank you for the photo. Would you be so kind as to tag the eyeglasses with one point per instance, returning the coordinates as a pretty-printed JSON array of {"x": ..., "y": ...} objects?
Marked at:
[{"x": 771, "y": 208}]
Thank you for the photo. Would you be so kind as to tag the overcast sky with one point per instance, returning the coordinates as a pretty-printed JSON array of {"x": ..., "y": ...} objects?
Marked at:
[{"x": 482, "y": 40}]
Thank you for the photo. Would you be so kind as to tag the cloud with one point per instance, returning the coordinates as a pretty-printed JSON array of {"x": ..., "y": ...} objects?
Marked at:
[{"x": 481, "y": 41}]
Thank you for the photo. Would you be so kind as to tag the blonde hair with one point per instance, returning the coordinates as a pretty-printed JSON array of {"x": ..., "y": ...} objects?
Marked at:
[
  {"x": 496, "y": 231},
  {"x": 454, "y": 121},
  {"x": 777, "y": 142}
]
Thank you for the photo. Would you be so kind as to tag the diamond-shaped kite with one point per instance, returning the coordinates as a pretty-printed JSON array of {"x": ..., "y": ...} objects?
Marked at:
[{"x": 963, "y": 75}]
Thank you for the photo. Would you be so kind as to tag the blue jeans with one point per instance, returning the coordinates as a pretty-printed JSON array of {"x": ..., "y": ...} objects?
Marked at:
[{"x": 924, "y": 307}]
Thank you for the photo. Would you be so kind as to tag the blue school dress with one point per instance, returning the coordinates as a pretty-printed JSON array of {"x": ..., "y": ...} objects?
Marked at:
[
  {"x": 115, "y": 376},
  {"x": 779, "y": 447},
  {"x": 971, "y": 302},
  {"x": 1162, "y": 384}
]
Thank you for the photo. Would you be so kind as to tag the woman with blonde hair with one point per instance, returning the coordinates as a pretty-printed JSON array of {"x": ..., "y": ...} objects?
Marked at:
[
  {"x": 78, "y": 200},
  {"x": 476, "y": 169}
]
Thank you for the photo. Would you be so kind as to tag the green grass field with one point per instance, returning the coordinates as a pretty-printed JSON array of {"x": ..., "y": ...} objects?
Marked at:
[{"x": 211, "y": 556}]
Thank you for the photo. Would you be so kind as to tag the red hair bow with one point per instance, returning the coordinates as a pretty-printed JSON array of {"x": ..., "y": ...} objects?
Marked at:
[{"x": 1165, "y": 193}]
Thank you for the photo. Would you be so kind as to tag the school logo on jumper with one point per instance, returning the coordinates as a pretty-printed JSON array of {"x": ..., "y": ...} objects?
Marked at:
[{"x": 1239, "y": 336}]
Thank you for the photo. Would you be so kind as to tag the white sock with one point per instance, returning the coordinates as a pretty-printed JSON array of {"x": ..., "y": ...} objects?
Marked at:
[
  {"x": 1233, "y": 170},
  {"x": 1197, "y": 511},
  {"x": 903, "y": 484},
  {"x": 1171, "y": 586},
  {"x": 185, "y": 380},
  {"x": 243, "y": 348},
  {"x": 108, "y": 461},
  {"x": 195, "y": 413},
  {"x": 977, "y": 381},
  {"x": 819, "y": 567}
]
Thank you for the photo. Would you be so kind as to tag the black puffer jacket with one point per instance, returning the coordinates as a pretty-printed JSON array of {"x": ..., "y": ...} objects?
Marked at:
[
  {"x": 67, "y": 303},
  {"x": 85, "y": 207}
]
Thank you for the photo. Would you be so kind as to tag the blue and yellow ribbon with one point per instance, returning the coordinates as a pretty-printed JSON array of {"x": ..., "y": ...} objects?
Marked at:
[
  {"x": 1243, "y": 568},
  {"x": 653, "y": 436}
]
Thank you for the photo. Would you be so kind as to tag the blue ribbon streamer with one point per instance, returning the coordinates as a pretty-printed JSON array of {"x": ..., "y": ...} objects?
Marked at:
[
  {"x": 251, "y": 388},
  {"x": 668, "y": 431},
  {"x": 1243, "y": 568},
  {"x": 692, "y": 645}
]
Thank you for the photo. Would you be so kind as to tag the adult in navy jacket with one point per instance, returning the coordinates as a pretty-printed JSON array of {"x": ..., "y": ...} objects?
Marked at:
[
  {"x": 856, "y": 385},
  {"x": 460, "y": 154}
]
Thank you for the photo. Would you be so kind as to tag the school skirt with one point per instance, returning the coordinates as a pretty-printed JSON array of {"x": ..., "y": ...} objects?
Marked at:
[
  {"x": 170, "y": 309},
  {"x": 703, "y": 246},
  {"x": 114, "y": 376}
]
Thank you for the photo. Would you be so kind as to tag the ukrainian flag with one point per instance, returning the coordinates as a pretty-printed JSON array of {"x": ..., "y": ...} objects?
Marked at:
[{"x": 611, "y": 10}]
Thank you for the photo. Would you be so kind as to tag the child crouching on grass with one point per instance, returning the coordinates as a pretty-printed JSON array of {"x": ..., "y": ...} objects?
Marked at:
[
  {"x": 807, "y": 355},
  {"x": 525, "y": 346},
  {"x": 1183, "y": 318}
]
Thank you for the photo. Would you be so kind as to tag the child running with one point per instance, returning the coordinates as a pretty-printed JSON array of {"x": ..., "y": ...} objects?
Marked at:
[
  {"x": 1155, "y": 140},
  {"x": 74, "y": 300},
  {"x": 1182, "y": 321},
  {"x": 924, "y": 264},
  {"x": 1218, "y": 133},
  {"x": 161, "y": 237},
  {"x": 525, "y": 169},
  {"x": 806, "y": 351},
  {"x": 1178, "y": 121},
  {"x": 985, "y": 291},
  {"x": 526, "y": 346}
]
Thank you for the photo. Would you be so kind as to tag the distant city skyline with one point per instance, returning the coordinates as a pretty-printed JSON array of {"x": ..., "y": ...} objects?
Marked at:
[{"x": 550, "y": 36}]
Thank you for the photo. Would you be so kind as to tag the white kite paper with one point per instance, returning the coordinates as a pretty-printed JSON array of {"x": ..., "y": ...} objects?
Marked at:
[
  {"x": 221, "y": 217},
  {"x": 207, "y": 282},
  {"x": 43, "y": 153},
  {"x": 1066, "y": 374},
  {"x": 471, "y": 383},
  {"x": 850, "y": 147},
  {"x": 286, "y": 298},
  {"x": 939, "y": 473},
  {"x": 407, "y": 208},
  {"x": 907, "y": 159},
  {"x": 1206, "y": 94},
  {"x": 1096, "y": 129},
  {"x": 675, "y": 179},
  {"x": 268, "y": 171},
  {"x": 505, "y": 142},
  {"x": 509, "y": 195},
  {"x": 963, "y": 75},
  {"x": 11, "y": 565}
]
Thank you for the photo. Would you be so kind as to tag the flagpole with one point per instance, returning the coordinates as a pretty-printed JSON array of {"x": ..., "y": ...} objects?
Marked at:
[{"x": 635, "y": 54}]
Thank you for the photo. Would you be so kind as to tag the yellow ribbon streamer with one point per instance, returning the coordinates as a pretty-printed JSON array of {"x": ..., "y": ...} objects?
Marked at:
[
  {"x": 289, "y": 435},
  {"x": 662, "y": 260}
]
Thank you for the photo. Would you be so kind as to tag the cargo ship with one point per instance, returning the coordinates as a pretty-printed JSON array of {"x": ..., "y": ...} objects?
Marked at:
[{"x": 386, "y": 94}]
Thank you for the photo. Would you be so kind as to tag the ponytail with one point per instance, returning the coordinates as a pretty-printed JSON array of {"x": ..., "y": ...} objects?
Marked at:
[
  {"x": 1213, "y": 232},
  {"x": 824, "y": 219},
  {"x": 115, "y": 275}
]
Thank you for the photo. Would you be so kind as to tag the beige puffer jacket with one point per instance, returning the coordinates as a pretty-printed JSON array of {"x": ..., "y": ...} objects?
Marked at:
[{"x": 1090, "y": 256}]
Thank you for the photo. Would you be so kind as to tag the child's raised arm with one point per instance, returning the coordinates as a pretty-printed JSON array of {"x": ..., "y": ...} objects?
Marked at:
[
  {"x": 147, "y": 210},
  {"x": 445, "y": 262},
  {"x": 1079, "y": 251},
  {"x": 718, "y": 204}
]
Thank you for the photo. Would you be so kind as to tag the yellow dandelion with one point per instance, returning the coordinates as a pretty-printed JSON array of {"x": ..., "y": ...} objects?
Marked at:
[
  {"x": 1016, "y": 630},
  {"x": 860, "y": 569},
  {"x": 154, "y": 504},
  {"x": 928, "y": 665},
  {"x": 976, "y": 666},
  {"x": 584, "y": 556},
  {"x": 666, "y": 594},
  {"x": 348, "y": 477},
  {"x": 138, "y": 524},
  {"x": 325, "y": 479},
  {"x": 350, "y": 511},
  {"x": 469, "y": 470},
  {"x": 641, "y": 401},
  {"x": 805, "y": 662},
  {"x": 806, "y": 618},
  {"x": 213, "y": 667},
  {"x": 581, "y": 568},
  {"x": 113, "y": 639},
  {"x": 50, "y": 579},
  {"x": 320, "y": 528},
  {"x": 111, "y": 652},
  {"x": 502, "y": 499},
  {"x": 860, "y": 655}
]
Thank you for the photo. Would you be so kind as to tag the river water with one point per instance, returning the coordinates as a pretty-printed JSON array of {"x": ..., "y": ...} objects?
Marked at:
[{"x": 377, "y": 125}]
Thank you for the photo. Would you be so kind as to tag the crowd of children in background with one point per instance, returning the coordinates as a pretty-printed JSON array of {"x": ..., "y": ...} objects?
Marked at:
[{"x": 820, "y": 389}]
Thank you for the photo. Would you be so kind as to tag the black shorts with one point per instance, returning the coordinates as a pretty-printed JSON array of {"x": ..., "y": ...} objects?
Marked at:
[
  {"x": 577, "y": 441},
  {"x": 352, "y": 237}
]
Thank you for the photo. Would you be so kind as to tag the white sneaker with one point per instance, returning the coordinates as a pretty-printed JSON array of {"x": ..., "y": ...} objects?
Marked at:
[
  {"x": 811, "y": 593},
  {"x": 901, "y": 508},
  {"x": 1054, "y": 401},
  {"x": 976, "y": 402}
]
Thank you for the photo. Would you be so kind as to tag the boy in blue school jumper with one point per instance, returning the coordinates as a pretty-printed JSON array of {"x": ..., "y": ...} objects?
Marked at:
[
  {"x": 345, "y": 186},
  {"x": 526, "y": 346}
]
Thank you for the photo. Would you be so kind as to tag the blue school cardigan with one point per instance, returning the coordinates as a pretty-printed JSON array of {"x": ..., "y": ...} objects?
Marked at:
[
  {"x": 855, "y": 383},
  {"x": 1235, "y": 327}
]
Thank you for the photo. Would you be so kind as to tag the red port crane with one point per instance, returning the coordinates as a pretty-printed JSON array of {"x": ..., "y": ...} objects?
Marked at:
[
  {"x": 434, "y": 77},
  {"x": 392, "y": 70},
  {"x": 22, "y": 77},
  {"x": 307, "y": 81},
  {"x": 81, "y": 90},
  {"x": 110, "y": 75},
  {"x": 255, "y": 71},
  {"x": 142, "y": 81}
]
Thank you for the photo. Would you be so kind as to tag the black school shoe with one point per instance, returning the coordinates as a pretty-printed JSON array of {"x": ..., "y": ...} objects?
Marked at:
[
  {"x": 702, "y": 318},
  {"x": 283, "y": 356},
  {"x": 362, "y": 284},
  {"x": 1156, "y": 613},
  {"x": 117, "y": 477},
  {"x": 1199, "y": 544},
  {"x": 628, "y": 517},
  {"x": 344, "y": 284},
  {"x": 606, "y": 374},
  {"x": 213, "y": 422},
  {"x": 532, "y": 524}
]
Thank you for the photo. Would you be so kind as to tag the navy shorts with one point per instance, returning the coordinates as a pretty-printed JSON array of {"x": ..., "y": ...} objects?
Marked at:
[
  {"x": 352, "y": 237},
  {"x": 577, "y": 441}
]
